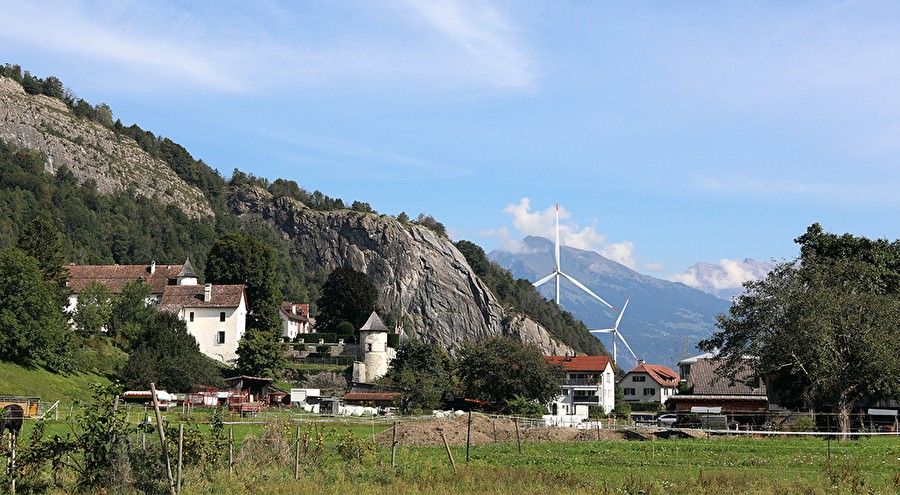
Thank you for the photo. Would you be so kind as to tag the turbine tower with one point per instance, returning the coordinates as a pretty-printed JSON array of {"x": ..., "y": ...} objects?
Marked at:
[
  {"x": 557, "y": 272},
  {"x": 615, "y": 331}
]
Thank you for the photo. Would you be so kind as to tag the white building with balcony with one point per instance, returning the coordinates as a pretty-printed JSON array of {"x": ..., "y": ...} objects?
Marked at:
[{"x": 589, "y": 381}]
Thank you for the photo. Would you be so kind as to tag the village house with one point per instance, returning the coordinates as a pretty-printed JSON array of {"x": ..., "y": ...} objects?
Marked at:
[
  {"x": 215, "y": 315},
  {"x": 295, "y": 320},
  {"x": 745, "y": 397},
  {"x": 649, "y": 383},
  {"x": 589, "y": 381},
  {"x": 115, "y": 277}
]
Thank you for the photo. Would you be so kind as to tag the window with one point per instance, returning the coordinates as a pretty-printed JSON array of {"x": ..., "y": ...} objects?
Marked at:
[
  {"x": 222, "y": 316},
  {"x": 649, "y": 391},
  {"x": 628, "y": 391},
  {"x": 191, "y": 316},
  {"x": 220, "y": 337},
  {"x": 637, "y": 378}
]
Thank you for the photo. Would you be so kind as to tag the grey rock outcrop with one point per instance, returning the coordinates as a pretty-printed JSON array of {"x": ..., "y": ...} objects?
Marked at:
[
  {"x": 418, "y": 274},
  {"x": 92, "y": 152}
]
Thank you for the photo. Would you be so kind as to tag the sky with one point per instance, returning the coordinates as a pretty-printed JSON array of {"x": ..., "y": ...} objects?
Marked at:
[{"x": 668, "y": 133}]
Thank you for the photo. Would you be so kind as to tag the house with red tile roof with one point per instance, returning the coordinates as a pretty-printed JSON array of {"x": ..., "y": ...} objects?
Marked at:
[
  {"x": 115, "y": 277},
  {"x": 589, "y": 381},
  {"x": 649, "y": 383},
  {"x": 295, "y": 320},
  {"x": 216, "y": 315}
]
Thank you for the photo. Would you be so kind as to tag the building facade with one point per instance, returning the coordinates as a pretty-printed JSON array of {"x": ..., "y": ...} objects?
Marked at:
[
  {"x": 589, "y": 381},
  {"x": 649, "y": 383},
  {"x": 216, "y": 315}
]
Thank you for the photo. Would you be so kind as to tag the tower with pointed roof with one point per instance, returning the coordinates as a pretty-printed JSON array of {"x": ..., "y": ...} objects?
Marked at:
[
  {"x": 374, "y": 355},
  {"x": 187, "y": 275}
]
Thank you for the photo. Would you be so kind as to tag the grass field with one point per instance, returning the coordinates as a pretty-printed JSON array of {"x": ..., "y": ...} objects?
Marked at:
[
  {"x": 49, "y": 386},
  {"x": 264, "y": 463}
]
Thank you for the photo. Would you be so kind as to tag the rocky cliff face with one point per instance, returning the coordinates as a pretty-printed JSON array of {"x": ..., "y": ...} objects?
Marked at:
[
  {"x": 417, "y": 273},
  {"x": 89, "y": 150}
]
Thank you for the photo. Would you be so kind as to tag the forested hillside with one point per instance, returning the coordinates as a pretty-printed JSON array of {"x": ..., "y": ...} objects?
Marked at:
[{"x": 126, "y": 228}]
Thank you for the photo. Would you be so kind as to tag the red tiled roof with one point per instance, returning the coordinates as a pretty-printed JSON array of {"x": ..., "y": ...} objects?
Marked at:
[
  {"x": 663, "y": 375},
  {"x": 116, "y": 276},
  {"x": 296, "y": 312},
  {"x": 580, "y": 363},
  {"x": 707, "y": 380},
  {"x": 176, "y": 297}
]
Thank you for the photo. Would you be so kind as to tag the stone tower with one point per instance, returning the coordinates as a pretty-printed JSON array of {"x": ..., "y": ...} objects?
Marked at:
[{"x": 374, "y": 355}]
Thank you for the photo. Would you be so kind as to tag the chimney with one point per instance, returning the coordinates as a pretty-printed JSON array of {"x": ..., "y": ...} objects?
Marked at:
[
  {"x": 294, "y": 308},
  {"x": 640, "y": 362},
  {"x": 207, "y": 293},
  {"x": 152, "y": 267}
]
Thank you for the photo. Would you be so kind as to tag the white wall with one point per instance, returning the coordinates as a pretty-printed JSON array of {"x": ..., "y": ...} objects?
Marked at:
[{"x": 207, "y": 325}]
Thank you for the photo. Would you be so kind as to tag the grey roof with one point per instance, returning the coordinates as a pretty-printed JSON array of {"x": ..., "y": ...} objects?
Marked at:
[
  {"x": 187, "y": 270},
  {"x": 707, "y": 380},
  {"x": 374, "y": 324}
]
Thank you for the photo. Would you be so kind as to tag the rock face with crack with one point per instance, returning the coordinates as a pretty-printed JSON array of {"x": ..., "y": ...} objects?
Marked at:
[{"x": 417, "y": 273}]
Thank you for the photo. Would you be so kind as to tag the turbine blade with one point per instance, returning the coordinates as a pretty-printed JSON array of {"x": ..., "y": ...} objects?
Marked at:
[
  {"x": 557, "y": 236},
  {"x": 627, "y": 346},
  {"x": 544, "y": 280},
  {"x": 589, "y": 291},
  {"x": 604, "y": 330},
  {"x": 622, "y": 312}
]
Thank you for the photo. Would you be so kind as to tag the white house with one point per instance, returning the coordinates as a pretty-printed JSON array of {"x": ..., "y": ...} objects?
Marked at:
[
  {"x": 649, "y": 383},
  {"x": 115, "y": 277},
  {"x": 589, "y": 381},
  {"x": 295, "y": 320},
  {"x": 216, "y": 315}
]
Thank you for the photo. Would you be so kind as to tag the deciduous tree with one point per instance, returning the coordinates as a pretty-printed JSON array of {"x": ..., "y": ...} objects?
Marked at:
[
  {"x": 821, "y": 329},
  {"x": 347, "y": 295}
]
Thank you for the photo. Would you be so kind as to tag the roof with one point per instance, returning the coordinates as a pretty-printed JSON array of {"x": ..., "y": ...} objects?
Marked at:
[
  {"x": 663, "y": 375},
  {"x": 187, "y": 270},
  {"x": 177, "y": 297},
  {"x": 580, "y": 363},
  {"x": 116, "y": 276},
  {"x": 295, "y": 312},
  {"x": 374, "y": 324},
  {"x": 707, "y": 380}
]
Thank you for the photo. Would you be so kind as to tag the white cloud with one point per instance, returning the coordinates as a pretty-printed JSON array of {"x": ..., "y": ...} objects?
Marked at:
[
  {"x": 724, "y": 278},
  {"x": 622, "y": 252},
  {"x": 485, "y": 35}
]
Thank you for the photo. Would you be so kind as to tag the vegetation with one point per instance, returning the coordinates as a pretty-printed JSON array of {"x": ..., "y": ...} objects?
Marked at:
[
  {"x": 165, "y": 354},
  {"x": 521, "y": 297},
  {"x": 500, "y": 369},
  {"x": 347, "y": 297},
  {"x": 822, "y": 328},
  {"x": 425, "y": 374}
]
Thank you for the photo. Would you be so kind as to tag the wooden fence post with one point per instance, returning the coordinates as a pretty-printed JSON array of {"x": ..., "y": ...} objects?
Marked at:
[
  {"x": 180, "y": 451},
  {"x": 231, "y": 450},
  {"x": 449, "y": 454},
  {"x": 162, "y": 437},
  {"x": 297, "y": 457},
  {"x": 518, "y": 442},
  {"x": 468, "y": 435},
  {"x": 394, "y": 447}
]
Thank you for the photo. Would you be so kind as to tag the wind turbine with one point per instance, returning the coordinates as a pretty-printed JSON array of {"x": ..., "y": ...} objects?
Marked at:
[
  {"x": 615, "y": 331},
  {"x": 559, "y": 273}
]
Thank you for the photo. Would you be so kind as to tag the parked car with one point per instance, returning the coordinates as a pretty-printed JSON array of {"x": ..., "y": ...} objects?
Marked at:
[{"x": 666, "y": 420}]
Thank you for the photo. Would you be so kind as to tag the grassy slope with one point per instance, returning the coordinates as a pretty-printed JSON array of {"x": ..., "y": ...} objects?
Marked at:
[{"x": 49, "y": 386}]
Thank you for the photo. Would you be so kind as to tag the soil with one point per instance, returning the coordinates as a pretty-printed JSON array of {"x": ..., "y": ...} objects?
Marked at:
[{"x": 486, "y": 430}]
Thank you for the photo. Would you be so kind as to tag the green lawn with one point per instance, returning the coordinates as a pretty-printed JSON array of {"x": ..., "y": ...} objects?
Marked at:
[{"x": 49, "y": 386}]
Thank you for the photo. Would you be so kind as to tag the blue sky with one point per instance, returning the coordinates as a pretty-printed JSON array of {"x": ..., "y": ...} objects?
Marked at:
[{"x": 669, "y": 133}]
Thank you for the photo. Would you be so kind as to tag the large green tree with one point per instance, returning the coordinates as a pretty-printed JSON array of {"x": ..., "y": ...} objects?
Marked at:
[
  {"x": 40, "y": 240},
  {"x": 130, "y": 313},
  {"x": 822, "y": 329},
  {"x": 500, "y": 369},
  {"x": 347, "y": 296},
  {"x": 94, "y": 308},
  {"x": 168, "y": 356},
  {"x": 425, "y": 374},
  {"x": 33, "y": 328},
  {"x": 240, "y": 259}
]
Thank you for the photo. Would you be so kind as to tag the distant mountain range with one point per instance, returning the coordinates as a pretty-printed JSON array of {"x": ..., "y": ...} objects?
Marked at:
[{"x": 663, "y": 322}]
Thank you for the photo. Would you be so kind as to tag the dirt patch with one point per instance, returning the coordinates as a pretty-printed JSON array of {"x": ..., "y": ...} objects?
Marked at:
[{"x": 485, "y": 430}]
